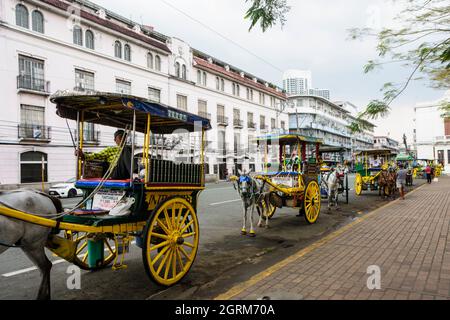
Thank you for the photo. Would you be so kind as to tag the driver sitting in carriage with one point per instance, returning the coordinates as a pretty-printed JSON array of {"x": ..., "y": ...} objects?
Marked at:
[{"x": 123, "y": 167}]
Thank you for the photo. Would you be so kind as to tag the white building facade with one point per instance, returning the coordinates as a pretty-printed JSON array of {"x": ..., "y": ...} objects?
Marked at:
[
  {"x": 432, "y": 131},
  {"x": 383, "y": 142},
  {"x": 317, "y": 117},
  {"x": 53, "y": 45}
]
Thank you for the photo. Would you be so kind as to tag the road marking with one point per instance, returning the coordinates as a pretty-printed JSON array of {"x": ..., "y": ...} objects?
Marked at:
[
  {"x": 15, "y": 273},
  {"x": 217, "y": 203},
  {"x": 239, "y": 288}
]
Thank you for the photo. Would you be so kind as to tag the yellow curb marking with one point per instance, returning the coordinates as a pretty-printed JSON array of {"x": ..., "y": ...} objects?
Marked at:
[{"x": 234, "y": 291}]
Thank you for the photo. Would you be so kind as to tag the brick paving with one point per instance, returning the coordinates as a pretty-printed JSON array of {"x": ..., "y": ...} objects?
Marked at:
[{"x": 408, "y": 239}]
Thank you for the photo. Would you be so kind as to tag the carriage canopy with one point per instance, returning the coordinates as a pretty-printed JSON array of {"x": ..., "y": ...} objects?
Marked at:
[
  {"x": 289, "y": 139},
  {"x": 116, "y": 110}
]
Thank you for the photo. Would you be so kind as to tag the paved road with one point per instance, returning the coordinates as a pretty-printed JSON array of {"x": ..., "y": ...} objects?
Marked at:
[{"x": 222, "y": 249}]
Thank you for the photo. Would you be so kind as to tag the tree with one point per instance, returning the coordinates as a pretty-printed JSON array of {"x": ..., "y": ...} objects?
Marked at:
[
  {"x": 422, "y": 44},
  {"x": 267, "y": 12}
]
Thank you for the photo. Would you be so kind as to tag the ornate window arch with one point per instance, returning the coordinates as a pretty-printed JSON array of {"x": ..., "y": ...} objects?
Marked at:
[
  {"x": 22, "y": 16},
  {"x": 118, "y": 49},
  {"x": 149, "y": 60},
  {"x": 158, "y": 63},
  {"x": 37, "y": 21},
  {"x": 90, "y": 39},
  {"x": 77, "y": 35},
  {"x": 127, "y": 52}
]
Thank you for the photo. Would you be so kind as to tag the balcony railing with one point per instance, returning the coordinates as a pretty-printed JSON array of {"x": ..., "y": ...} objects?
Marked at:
[
  {"x": 34, "y": 132},
  {"x": 442, "y": 139},
  {"x": 237, "y": 123},
  {"x": 32, "y": 83},
  {"x": 204, "y": 115},
  {"x": 251, "y": 125},
  {"x": 222, "y": 120}
]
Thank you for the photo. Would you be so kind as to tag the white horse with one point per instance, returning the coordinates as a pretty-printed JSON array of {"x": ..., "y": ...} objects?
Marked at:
[
  {"x": 31, "y": 238},
  {"x": 330, "y": 182},
  {"x": 252, "y": 194}
]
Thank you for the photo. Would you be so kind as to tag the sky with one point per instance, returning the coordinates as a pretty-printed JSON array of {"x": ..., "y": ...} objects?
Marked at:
[{"x": 315, "y": 37}]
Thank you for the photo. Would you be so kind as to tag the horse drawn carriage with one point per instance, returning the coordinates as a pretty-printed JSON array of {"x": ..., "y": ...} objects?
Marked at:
[
  {"x": 294, "y": 181},
  {"x": 161, "y": 195},
  {"x": 331, "y": 159},
  {"x": 374, "y": 171}
]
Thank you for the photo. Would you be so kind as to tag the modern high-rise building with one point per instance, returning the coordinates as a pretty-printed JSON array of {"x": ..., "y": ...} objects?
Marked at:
[{"x": 299, "y": 82}]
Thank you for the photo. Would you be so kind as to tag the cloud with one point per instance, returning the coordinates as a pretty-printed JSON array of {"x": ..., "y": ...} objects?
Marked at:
[{"x": 315, "y": 37}]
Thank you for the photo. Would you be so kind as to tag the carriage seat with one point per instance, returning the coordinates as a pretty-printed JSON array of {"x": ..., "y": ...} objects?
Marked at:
[{"x": 94, "y": 182}]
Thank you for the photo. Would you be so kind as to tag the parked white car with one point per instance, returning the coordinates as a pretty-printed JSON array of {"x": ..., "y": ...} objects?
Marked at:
[{"x": 65, "y": 190}]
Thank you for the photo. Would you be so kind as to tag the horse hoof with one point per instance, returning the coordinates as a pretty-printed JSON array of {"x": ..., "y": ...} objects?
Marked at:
[
  {"x": 243, "y": 232},
  {"x": 252, "y": 234}
]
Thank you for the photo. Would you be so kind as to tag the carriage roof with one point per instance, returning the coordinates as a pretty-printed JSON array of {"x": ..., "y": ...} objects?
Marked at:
[
  {"x": 377, "y": 152},
  {"x": 291, "y": 138},
  {"x": 116, "y": 110}
]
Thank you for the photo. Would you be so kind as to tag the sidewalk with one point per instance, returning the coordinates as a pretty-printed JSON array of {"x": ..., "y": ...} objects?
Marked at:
[{"x": 409, "y": 240}]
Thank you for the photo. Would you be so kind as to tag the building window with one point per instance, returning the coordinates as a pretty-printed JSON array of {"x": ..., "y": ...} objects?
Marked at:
[
  {"x": 84, "y": 80},
  {"x": 202, "y": 109},
  {"x": 272, "y": 123},
  {"x": 118, "y": 49},
  {"x": 89, "y": 133},
  {"x": 149, "y": 60},
  {"x": 33, "y": 167},
  {"x": 37, "y": 20},
  {"x": 181, "y": 102},
  {"x": 205, "y": 80},
  {"x": 236, "y": 89},
  {"x": 199, "y": 77},
  {"x": 157, "y": 63},
  {"x": 222, "y": 85},
  {"x": 262, "y": 99},
  {"x": 127, "y": 52},
  {"x": 183, "y": 72},
  {"x": 32, "y": 123},
  {"x": 217, "y": 83},
  {"x": 262, "y": 122},
  {"x": 31, "y": 74},
  {"x": 177, "y": 69},
  {"x": 89, "y": 39},
  {"x": 22, "y": 16},
  {"x": 283, "y": 125},
  {"x": 123, "y": 87},
  {"x": 77, "y": 35},
  {"x": 272, "y": 102},
  {"x": 154, "y": 94}
]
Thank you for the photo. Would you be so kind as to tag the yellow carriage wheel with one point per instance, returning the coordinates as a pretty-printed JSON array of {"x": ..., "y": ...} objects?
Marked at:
[
  {"x": 270, "y": 211},
  {"x": 415, "y": 173},
  {"x": 358, "y": 184},
  {"x": 311, "y": 201},
  {"x": 82, "y": 253},
  {"x": 171, "y": 241}
]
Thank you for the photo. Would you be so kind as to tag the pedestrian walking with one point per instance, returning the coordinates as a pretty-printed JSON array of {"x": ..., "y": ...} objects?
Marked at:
[
  {"x": 428, "y": 173},
  {"x": 401, "y": 180}
]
